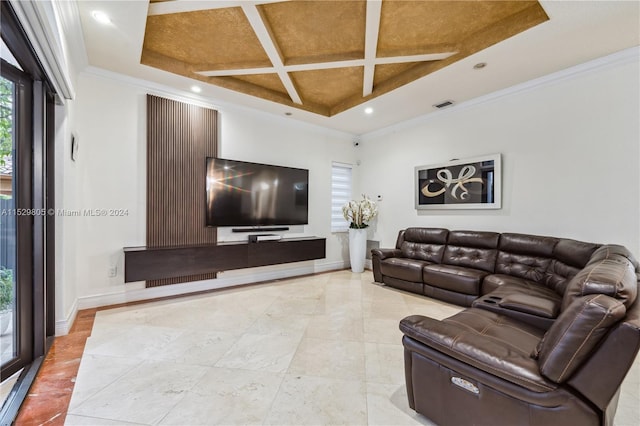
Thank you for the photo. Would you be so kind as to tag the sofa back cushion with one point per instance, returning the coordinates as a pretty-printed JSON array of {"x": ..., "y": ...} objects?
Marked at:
[
  {"x": 575, "y": 333},
  {"x": 569, "y": 257},
  {"x": 424, "y": 243},
  {"x": 472, "y": 249},
  {"x": 614, "y": 276},
  {"x": 525, "y": 256},
  {"x": 400, "y": 239}
]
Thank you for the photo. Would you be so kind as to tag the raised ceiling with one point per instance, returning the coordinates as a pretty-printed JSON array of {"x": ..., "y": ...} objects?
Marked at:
[
  {"x": 326, "y": 57},
  {"x": 577, "y": 32}
]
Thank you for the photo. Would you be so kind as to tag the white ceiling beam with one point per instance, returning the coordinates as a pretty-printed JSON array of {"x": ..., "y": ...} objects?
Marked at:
[
  {"x": 328, "y": 65},
  {"x": 237, "y": 71},
  {"x": 414, "y": 58},
  {"x": 261, "y": 30},
  {"x": 372, "y": 29},
  {"x": 287, "y": 68},
  {"x": 181, "y": 6}
]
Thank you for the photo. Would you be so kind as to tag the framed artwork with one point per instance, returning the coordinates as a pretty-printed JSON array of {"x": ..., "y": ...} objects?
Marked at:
[{"x": 473, "y": 183}]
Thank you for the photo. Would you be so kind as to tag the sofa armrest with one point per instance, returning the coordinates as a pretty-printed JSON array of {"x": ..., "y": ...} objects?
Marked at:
[
  {"x": 383, "y": 253},
  {"x": 491, "y": 355},
  {"x": 379, "y": 254},
  {"x": 615, "y": 356},
  {"x": 529, "y": 304}
]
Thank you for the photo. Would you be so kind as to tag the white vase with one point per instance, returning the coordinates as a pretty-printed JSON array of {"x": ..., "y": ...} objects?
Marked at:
[{"x": 357, "y": 249}]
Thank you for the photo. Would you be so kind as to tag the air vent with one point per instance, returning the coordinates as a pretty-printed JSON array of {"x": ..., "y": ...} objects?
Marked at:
[{"x": 444, "y": 104}]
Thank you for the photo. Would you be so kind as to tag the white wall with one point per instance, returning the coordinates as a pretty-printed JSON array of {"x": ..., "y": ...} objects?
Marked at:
[
  {"x": 109, "y": 120},
  {"x": 570, "y": 155},
  {"x": 570, "y": 152},
  {"x": 65, "y": 195}
]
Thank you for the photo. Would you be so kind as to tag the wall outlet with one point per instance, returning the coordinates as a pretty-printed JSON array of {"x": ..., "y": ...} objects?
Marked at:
[{"x": 113, "y": 271}]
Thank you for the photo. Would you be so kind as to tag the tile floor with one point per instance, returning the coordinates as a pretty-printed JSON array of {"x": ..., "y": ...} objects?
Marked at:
[{"x": 323, "y": 349}]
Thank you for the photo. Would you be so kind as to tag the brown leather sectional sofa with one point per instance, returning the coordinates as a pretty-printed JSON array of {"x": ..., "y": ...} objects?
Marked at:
[{"x": 552, "y": 330}]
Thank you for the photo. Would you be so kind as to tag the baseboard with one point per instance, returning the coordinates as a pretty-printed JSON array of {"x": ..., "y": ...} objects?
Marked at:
[
  {"x": 251, "y": 276},
  {"x": 63, "y": 326}
]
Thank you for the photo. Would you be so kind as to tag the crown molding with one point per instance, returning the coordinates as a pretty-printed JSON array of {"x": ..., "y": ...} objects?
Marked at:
[
  {"x": 622, "y": 57},
  {"x": 39, "y": 21},
  {"x": 185, "y": 96}
]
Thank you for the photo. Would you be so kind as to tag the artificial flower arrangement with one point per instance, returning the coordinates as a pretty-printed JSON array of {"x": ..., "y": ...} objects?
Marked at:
[{"x": 360, "y": 213}]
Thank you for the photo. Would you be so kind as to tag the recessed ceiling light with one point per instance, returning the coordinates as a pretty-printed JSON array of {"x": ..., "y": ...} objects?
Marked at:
[
  {"x": 368, "y": 110},
  {"x": 196, "y": 89},
  {"x": 479, "y": 65},
  {"x": 101, "y": 17}
]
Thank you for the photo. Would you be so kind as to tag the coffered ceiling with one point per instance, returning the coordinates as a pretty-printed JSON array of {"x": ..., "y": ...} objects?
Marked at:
[
  {"x": 326, "y": 56},
  {"x": 324, "y": 61}
]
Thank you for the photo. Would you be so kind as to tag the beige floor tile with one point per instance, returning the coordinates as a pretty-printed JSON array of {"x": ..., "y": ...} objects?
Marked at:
[
  {"x": 322, "y": 349},
  {"x": 304, "y": 400},
  {"x": 197, "y": 347},
  {"x": 280, "y": 324},
  {"x": 140, "y": 341},
  {"x": 338, "y": 327},
  {"x": 145, "y": 394},
  {"x": 379, "y": 309},
  {"x": 329, "y": 358},
  {"x": 382, "y": 331},
  {"x": 293, "y": 306},
  {"x": 261, "y": 352},
  {"x": 384, "y": 363},
  {"x": 346, "y": 307},
  {"x": 96, "y": 372},
  {"x": 387, "y": 405},
  {"x": 227, "y": 396},
  {"x": 73, "y": 420}
]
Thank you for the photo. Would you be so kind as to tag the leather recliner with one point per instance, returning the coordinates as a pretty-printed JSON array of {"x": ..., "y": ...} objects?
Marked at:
[{"x": 485, "y": 366}]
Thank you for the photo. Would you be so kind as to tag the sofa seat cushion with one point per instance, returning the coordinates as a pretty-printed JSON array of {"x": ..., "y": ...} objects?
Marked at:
[
  {"x": 403, "y": 268},
  {"x": 454, "y": 278},
  {"x": 490, "y": 342}
]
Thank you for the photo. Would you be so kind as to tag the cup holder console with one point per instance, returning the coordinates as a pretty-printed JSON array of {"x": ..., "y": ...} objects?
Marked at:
[{"x": 493, "y": 300}]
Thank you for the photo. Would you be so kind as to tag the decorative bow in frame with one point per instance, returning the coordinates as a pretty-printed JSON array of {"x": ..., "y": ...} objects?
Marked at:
[{"x": 473, "y": 183}]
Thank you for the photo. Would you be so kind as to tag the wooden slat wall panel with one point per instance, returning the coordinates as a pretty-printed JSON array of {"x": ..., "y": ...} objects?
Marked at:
[{"x": 179, "y": 138}]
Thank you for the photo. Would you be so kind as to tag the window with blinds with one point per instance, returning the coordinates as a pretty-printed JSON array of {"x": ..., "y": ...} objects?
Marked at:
[{"x": 340, "y": 195}]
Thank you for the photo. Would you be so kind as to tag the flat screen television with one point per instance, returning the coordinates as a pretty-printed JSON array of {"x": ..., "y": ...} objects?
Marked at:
[{"x": 251, "y": 194}]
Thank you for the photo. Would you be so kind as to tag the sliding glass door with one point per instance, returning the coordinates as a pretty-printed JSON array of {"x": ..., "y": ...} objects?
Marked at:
[
  {"x": 16, "y": 325},
  {"x": 26, "y": 232},
  {"x": 8, "y": 238}
]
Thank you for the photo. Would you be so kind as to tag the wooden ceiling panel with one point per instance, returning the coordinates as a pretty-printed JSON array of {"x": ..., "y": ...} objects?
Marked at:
[
  {"x": 407, "y": 27},
  {"x": 321, "y": 56},
  {"x": 328, "y": 87},
  {"x": 268, "y": 81},
  {"x": 220, "y": 37},
  {"x": 384, "y": 72},
  {"x": 317, "y": 31}
]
